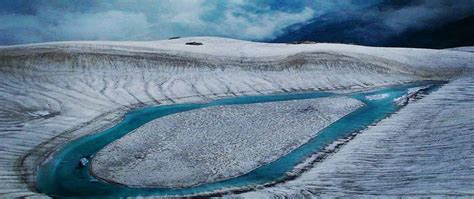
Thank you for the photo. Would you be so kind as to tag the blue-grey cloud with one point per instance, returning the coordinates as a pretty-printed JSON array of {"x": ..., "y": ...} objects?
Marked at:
[
  {"x": 26, "y": 21},
  {"x": 425, "y": 13}
]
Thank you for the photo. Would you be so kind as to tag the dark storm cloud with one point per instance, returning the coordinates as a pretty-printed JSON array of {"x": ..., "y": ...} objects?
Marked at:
[{"x": 425, "y": 14}]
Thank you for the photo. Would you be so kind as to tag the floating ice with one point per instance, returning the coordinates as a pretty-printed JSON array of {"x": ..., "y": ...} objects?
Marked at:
[{"x": 378, "y": 96}]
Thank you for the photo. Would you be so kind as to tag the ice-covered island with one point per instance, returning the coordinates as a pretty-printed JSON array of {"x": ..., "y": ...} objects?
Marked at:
[
  {"x": 216, "y": 143},
  {"x": 52, "y": 93}
]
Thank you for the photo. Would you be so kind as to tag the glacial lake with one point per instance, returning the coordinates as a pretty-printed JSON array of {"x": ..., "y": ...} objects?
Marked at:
[{"x": 62, "y": 176}]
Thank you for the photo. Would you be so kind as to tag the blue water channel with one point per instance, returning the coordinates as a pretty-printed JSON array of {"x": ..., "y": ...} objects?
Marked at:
[{"x": 63, "y": 177}]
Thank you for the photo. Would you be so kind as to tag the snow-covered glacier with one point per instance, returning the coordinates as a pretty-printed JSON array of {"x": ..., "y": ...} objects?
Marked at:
[
  {"x": 425, "y": 149},
  {"x": 52, "y": 93}
]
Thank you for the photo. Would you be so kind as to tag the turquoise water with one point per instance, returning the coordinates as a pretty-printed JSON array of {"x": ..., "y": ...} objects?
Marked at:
[{"x": 62, "y": 176}]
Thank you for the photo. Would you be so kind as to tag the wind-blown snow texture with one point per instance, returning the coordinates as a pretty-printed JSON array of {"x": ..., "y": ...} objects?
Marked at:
[
  {"x": 53, "y": 92},
  {"x": 426, "y": 149},
  {"x": 215, "y": 143}
]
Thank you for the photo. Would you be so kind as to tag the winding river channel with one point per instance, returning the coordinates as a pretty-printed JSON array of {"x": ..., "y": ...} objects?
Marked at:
[{"x": 62, "y": 176}]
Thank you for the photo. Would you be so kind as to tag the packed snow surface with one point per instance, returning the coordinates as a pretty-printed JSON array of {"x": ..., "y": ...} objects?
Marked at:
[
  {"x": 51, "y": 93},
  {"x": 464, "y": 49},
  {"x": 426, "y": 149},
  {"x": 216, "y": 143}
]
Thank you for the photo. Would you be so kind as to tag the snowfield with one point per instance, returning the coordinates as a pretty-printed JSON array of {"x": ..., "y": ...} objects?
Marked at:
[
  {"x": 199, "y": 146},
  {"x": 51, "y": 93},
  {"x": 426, "y": 149}
]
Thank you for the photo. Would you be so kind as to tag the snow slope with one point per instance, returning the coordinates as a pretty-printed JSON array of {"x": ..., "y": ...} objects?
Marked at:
[
  {"x": 426, "y": 149},
  {"x": 53, "y": 92}
]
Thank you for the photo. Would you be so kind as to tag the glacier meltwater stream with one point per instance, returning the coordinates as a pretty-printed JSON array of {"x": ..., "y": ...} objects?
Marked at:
[{"x": 62, "y": 176}]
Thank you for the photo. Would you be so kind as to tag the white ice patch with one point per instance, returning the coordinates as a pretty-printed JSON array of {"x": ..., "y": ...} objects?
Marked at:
[
  {"x": 40, "y": 113},
  {"x": 416, "y": 89},
  {"x": 377, "y": 96},
  {"x": 411, "y": 92}
]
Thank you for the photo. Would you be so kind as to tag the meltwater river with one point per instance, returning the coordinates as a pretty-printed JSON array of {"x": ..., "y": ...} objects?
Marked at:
[{"x": 62, "y": 176}]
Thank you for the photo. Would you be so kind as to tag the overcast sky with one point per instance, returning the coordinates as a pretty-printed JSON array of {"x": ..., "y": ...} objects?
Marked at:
[{"x": 26, "y": 21}]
